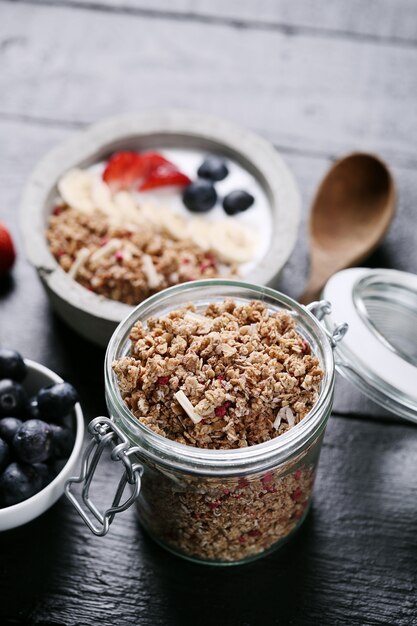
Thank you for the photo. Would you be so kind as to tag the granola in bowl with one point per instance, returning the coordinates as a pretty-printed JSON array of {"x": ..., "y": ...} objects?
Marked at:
[
  {"x": 134, "y": 225},
  {"x": 228, "y": 377}
]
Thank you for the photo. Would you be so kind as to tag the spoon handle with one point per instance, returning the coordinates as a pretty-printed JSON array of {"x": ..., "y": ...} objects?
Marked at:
[{"x": 309, "y": 295}]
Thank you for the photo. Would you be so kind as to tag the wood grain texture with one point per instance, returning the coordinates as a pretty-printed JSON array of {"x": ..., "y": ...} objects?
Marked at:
[
  {"x": 380, "y": 21},
  {"x": 320, "y": 96}
]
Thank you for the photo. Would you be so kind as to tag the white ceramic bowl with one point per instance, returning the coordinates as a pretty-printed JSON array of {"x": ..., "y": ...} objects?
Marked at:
[
  {"x": 93, "y": 316},
  {"x": 38, "y": 376}
]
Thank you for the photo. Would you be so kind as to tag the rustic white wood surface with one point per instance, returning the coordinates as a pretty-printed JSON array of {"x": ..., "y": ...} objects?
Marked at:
[
  {"x": 380, "y": 20},
  {"x": 318, "y": 79}
]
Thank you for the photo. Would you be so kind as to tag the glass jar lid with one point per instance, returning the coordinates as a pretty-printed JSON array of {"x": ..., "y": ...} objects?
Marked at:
[{"x": 379, "y": 353}]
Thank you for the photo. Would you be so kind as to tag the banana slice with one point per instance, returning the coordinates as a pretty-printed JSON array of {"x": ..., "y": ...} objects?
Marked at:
[
  {"x": 75, "y": 189},
  {"x": 175, "y": 225},
  {"x": 127, "y": 209},
  {"x": 232, "y": 241},
  {"x": 126, "y": 204},
  {"x": 199, "y": 232},
  {"x": 154, "y": 215},
  {"x": 102, "y": 198}
]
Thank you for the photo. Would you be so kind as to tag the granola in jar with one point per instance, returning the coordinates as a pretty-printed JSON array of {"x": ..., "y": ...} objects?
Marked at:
[{"x": 227, "y": 377}]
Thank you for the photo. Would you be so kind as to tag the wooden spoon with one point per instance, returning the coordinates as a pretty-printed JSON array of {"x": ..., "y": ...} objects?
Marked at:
[{"x": 350, "y": 215}]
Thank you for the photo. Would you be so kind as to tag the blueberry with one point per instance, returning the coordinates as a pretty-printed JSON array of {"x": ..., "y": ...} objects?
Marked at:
[
  {"x": 4, "y": 454},
  {"x": 32, "y": 442},
  {"x": 8, "y": 427},
  {"x": 12, "y": 365},
  {"x": 237, "y": 201},
  {"x": 214, "y": 168},
  {"x": 33, "y": 410},
  {"x": 200, "y": 196},
  {"x": 46, "y": 473},
  {"x": 56, "y": 401},
  {"x": 62, "y": 441},
  {"x": 13, "y": 398},
  {"x": 19, "y": 482}
]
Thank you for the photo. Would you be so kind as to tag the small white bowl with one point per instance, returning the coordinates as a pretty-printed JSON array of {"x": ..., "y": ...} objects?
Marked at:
[
  {"x": 12, "y": 516},
  {"x": 93, "y": 316}
]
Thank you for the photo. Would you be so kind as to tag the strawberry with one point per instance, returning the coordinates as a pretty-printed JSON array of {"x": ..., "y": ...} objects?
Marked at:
[
  {"x": 7, "y": 251},
  {"x": 123, "y": 170},
  {"x": 148, "y": 170}
]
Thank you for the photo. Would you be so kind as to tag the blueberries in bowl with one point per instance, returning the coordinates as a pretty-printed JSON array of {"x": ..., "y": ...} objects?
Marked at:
[
  {"x": 213, "y": 168},
  {"x": 19, "y": 482},
  {"x": 200, "y": 196},
  {"x": 237, "y": 201},
  {"x": 62, "y": 441},
  {"x": 13, "y": 398},
  {"x": 32, "y": 442},
  {"x": 56, "y": 401},
  {"x": 12, "y": 365},
  {"x": 4, "y": 454},
  {"x": 33, "y": 409},
  {"x": 34, "y": 434},
  {"x": 8, "y": 427}
]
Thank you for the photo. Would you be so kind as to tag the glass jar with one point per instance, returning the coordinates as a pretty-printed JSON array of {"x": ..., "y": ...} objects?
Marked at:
[{"x": 213, "y": 506}]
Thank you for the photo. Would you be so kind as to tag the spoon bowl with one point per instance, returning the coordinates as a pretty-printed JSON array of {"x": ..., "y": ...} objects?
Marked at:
[{"x": 350, "y": 215}]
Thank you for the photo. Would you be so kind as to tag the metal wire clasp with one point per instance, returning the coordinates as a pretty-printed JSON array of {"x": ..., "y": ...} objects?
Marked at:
[
  {"x": 320, "y": 309},
  {"x": 105, "y": 433}
]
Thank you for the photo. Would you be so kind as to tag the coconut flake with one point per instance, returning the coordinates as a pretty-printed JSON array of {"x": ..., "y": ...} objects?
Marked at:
[
  {"x": 182, "y": 399},
  {"x": 226, "y": 349},
  {"x": 154, "y": 279},
  {"x": 133, "y": 249},
  {"x": 277, "y": 422},
  {"x": 107, "y": 250},
  {"x": 287, "y": 415},
  {"x": 79, "y": 262},
  {"x": 204, "y": 323},
  {"x": 196, "y": 316}
]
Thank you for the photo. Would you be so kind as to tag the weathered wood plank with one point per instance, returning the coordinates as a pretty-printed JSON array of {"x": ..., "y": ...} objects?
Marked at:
[
  {"x": 323, "y": 96},
  {"x": 383, "y": 21}
]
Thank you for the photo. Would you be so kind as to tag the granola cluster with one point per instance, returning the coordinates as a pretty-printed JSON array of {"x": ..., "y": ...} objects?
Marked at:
[
  {"x": 229, "y": 520},
  {"x": 125, "y": 264},
  {"x": 246, "y": 375},
  {"x": 230, "y": 377}
]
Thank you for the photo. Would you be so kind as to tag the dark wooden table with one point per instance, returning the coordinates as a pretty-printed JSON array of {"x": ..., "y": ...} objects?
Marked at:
[{"x": 317, "y": 79}]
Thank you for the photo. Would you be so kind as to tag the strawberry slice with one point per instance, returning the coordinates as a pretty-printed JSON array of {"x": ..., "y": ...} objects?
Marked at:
[
  {"x": 123, "y": 170},
  {"x": 160, "y": 172},
  {"x": 164, "y": 175},
  {"x": 148, "y": 170},
  {"x": 7, "y": 251}
]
